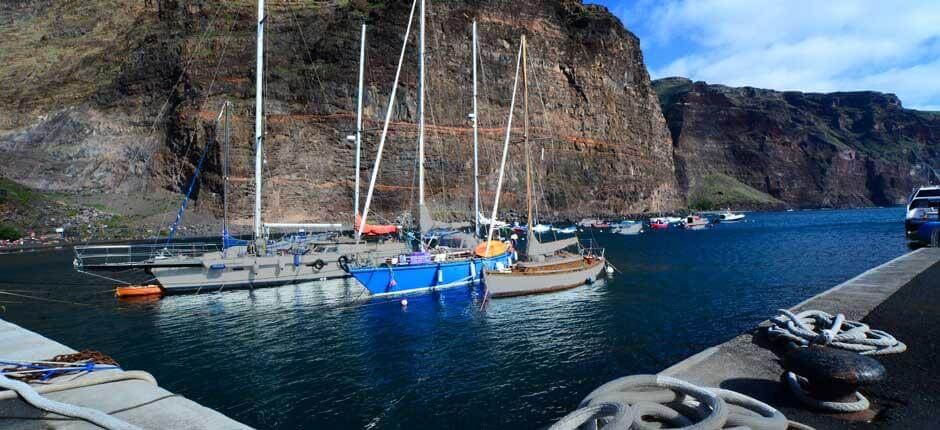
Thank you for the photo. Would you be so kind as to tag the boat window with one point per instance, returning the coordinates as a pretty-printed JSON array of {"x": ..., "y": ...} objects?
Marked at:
[
  {"x": 919, "y": 203},
  {"x": 929, "y": 193}
]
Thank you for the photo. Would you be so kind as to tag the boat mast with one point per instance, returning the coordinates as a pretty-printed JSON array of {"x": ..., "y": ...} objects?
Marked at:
[
  {"x": 362, "y": 60},
  {"x": 476, "y": 162},
  {"x": 502, "y": 163},
  {"x": 259, "y": 132},
  {"x": 226, "y": 135},
  {"x": 388, "y": 119},
  {"x": 525, "y": 135},
  {"x": 421, "y": 207}
]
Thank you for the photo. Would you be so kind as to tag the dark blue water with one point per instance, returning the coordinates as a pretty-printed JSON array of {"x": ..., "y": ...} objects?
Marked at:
[{"x": 308, "y": 357}]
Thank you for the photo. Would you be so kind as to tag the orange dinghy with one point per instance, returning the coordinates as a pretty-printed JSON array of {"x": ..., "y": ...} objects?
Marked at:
[
  {"x": 496, "y": 248},
  {"x": 373, "y": 229},
  {"x": 139, "y": 290}
]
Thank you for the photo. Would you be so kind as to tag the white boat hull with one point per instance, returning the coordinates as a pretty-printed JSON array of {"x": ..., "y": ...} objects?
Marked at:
[{"x": 514, "y": 283}]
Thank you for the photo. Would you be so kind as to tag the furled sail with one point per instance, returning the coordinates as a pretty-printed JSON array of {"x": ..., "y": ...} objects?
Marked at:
[{"x": 538, "y": 248}]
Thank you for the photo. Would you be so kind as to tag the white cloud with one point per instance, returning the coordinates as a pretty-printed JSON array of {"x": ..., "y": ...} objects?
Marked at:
[{"x": 835, "y": 45}]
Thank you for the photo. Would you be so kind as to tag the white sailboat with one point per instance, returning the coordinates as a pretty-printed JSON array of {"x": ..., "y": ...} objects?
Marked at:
[{"x": 264, "y": 262}]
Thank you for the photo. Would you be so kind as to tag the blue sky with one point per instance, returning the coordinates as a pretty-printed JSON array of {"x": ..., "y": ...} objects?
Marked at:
[{"x": 822, "y": 45}]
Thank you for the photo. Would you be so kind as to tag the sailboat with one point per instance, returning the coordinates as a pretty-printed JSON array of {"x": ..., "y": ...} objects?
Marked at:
[
  {"x": 545, "y": 267},
  {"x": 263, "y": 261},
  {"x": 426, "y": 268}
]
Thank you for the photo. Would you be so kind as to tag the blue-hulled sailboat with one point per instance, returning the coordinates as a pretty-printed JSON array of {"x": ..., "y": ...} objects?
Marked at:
[{"x": 426, "y": 268}]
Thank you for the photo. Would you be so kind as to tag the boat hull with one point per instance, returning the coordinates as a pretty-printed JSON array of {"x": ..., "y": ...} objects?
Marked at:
[
  {"x": 217, "y": 272},
  {"x": 509, "y": 284},
  {"x": 416, "y": 278}
]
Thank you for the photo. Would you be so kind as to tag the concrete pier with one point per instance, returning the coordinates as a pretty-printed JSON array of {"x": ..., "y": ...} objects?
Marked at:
[
  {"x": 139, "y": 402},
  {"x": 900, "y": 297}
]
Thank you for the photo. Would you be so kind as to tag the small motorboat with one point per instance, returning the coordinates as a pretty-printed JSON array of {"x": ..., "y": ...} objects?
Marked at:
[
  {"x": 728, "y": 216},
  {"x": 629, "y": 229},
  {"x": 601, "y": 224},
  {"x": 695, "y": 222},
  {"x": 566, "y": 230},
  {"x": 659, "y": 225},
  {"x": 542, "y": 228}
]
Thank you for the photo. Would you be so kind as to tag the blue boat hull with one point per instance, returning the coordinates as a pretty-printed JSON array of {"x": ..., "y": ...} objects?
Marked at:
[
  {"x": 928, "y": 231},
  {"x": 424, "y": 277}
]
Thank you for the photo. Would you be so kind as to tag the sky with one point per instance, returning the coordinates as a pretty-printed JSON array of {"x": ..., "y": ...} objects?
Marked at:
[{"x": 820, "y": 46}]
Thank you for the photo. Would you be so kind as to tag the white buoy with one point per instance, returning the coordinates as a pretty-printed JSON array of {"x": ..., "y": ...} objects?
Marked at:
[
  {"x": 610, "y": 270},
  {"x": 404, "y": 302}
]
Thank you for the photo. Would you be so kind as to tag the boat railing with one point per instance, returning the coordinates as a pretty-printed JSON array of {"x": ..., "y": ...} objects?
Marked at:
[
  {"x": 136, "y": 255},
  {"x": 589, "y": 247}
]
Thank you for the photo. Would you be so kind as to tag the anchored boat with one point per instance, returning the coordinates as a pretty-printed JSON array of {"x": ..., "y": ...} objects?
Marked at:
[
  {"x": 546, "y": 266},
  {"x": 728, "y": 216}
]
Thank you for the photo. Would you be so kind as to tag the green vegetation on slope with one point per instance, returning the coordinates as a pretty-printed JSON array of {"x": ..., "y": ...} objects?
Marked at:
[
  {"x": 15, "y": 193},
  {"x": 718, "y": 191}
]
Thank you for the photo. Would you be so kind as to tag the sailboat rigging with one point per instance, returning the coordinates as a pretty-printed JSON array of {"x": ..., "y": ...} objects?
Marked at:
[{"x": 545, "y": 267}]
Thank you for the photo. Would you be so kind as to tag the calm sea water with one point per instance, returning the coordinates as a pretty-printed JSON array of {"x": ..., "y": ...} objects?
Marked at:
[{"x": 308, "y": 356}]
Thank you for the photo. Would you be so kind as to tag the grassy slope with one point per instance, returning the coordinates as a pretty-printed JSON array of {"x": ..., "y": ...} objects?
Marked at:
[{"x": 718, "y": 191}]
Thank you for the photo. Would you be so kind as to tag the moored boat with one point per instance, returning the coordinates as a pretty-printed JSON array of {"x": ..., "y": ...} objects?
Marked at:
[
  {"x": 629, "y": 229},
  {"x": 546, "y": 266}
]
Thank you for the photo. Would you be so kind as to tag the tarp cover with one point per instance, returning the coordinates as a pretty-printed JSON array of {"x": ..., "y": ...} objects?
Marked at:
[{"x": 374, "y": 230}]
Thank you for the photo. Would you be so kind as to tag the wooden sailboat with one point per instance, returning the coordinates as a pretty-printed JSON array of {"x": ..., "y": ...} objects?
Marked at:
[{"x": 545, "y": 267}]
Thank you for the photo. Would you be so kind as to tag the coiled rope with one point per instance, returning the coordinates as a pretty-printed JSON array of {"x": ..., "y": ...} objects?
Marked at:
[
  {"x": 93, "y": 416},
  {"x": 639, "y": 401},
  {"x": 818, "y": 327}
]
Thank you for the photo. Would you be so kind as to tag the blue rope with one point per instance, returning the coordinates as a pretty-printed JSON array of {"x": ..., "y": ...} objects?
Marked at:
[{"x": 192, "y": 184}]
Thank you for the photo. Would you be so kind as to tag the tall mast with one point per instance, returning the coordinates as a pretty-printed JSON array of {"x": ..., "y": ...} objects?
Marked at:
[
  {"x": 476, "y": 162},
  {"x": 362, "y": 60},
  {"x": 226, "y": 135},
  {"x": 259, "y": 132},
  {"x": 525, "y": 134},
  {"x": 421, "y": 208}
]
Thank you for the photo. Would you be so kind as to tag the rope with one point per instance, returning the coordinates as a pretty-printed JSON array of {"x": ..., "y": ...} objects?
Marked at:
[
  {"x": 29, "y": 395},
  {"x": 817, "y": 327},
  {"x": 641, "y": 401},
  {"x": 796, "y": 382}
]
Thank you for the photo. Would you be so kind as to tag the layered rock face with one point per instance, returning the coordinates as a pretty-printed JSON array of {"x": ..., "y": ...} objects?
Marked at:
[
  {"x": 124, "y": 97},
  {"x": 805, "y": 149}
]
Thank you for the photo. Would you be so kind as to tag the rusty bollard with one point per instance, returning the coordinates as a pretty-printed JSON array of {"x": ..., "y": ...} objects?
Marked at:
[{"x": 833, "y": 376}]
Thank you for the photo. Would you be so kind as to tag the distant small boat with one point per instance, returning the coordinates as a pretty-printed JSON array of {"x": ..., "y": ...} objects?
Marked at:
[
  {"x": 566, "y": 230},
  {"x": 659, "y": 225},
  {"x": 695, "y": 222},
  {"x": 542, "y": 228},
  {"x": 588, "y": 222},
  {"x": 629, "y": 229},
  {"x": 601, "y": 224},
  {"x": 728, "y": 216}
]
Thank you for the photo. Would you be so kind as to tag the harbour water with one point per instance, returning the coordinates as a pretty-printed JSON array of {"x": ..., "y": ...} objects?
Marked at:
[{"x": 313, "y": 356}]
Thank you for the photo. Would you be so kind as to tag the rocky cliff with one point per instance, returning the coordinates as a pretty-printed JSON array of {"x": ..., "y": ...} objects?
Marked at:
[
  {"x": 116, "y": 97},
  {"x": 765, "y": 148}
]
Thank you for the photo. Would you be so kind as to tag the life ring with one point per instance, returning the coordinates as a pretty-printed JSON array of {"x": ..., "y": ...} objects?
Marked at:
[
  {"x": 318, "y": 264},
  {"x": 343, "y": 263}
]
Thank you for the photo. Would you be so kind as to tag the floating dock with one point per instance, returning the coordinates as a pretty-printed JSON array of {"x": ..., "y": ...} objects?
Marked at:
[
  {"x": 901, "y": 297},
  {"x": 138, "y": 401}
]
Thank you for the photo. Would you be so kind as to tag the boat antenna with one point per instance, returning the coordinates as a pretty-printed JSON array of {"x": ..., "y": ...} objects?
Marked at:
[{"x": 502, "y": 164}]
